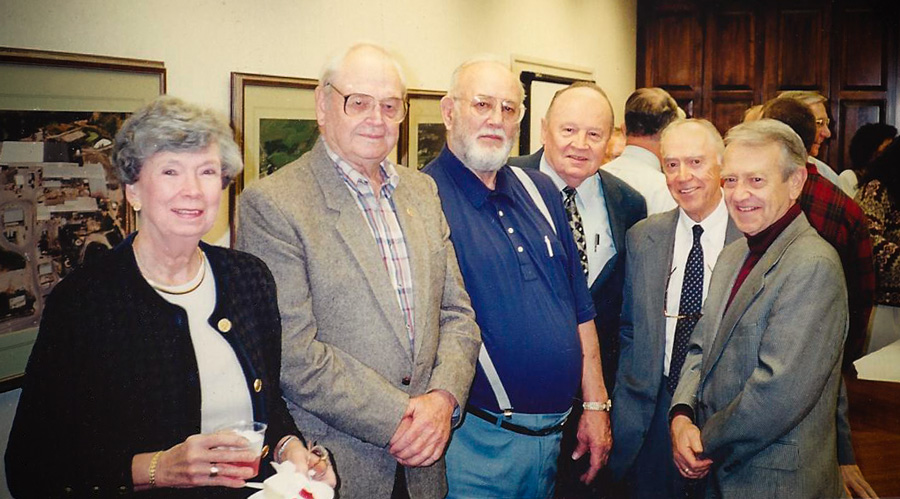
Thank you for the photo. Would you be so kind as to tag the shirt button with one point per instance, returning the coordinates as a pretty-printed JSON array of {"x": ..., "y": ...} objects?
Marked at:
[
  {"x": 510, "y": 230},
  {"x": 405, "y": 381},
  {"x": 257, "y": 385},
  {"x": 224, "y": 325},
  {"x": 500, "y": 212},
  {"x": 520, "y": 249}
]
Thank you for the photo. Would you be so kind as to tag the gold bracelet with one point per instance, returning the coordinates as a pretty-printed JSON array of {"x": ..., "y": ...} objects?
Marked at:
[{"x": 153, "y": 462}]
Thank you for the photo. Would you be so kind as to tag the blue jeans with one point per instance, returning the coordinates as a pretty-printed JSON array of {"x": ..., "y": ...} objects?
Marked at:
[{"x": 484, "y": 460}]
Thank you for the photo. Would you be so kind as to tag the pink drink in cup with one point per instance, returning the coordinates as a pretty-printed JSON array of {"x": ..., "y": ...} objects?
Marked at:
[{"x": 255, "y": 434}]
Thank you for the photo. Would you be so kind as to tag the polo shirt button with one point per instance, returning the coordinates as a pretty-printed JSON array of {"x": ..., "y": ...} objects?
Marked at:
[
  {"x": 510, "y": 230},
  {"x": 520, "y": 249},
  {"x": 405, "y": 381},
  {"x": 500, "y": 212},
  {"x": 224, "y": 325},
  {"x": 123, "y": 490},
  {"x": 257, "y": 385},
  {"x": 265, "y": 452}
]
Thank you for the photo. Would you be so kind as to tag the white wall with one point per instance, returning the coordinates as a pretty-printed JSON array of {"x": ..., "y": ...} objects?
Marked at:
[{"x": 203, "y": 41}]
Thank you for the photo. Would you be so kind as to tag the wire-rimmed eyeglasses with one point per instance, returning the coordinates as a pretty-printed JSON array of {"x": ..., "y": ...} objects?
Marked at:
[
  {"x": 484, "y": 105},
  {"x": 666, "y": 313},
  {"x": 392, "y": 108}
]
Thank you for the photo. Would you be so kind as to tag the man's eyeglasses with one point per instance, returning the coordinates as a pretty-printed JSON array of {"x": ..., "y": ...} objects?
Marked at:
[
  {"x": 393, "y": 108},
  {"x": 484, "y": 105},
  {"x": 823, "y": 122},
  {"x": 666, "y": 313}
]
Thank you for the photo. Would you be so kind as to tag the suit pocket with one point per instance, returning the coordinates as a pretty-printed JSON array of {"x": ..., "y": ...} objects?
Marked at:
[{"x": 780, "y": 455}]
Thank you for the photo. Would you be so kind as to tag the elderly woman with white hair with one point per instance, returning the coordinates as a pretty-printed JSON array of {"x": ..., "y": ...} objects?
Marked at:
[{"x": 145, "y": 353}]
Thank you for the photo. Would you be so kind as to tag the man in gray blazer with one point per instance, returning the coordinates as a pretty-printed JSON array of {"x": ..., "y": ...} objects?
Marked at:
[
  {"x": 658, "y": 250},
  {"x": 379, "y": 340},
  {"x": 575, "y": 132},
  {"x": 755, "y": 408}
]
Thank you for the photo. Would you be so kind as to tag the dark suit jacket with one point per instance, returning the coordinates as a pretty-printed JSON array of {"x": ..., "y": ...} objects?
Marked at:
[
  {"x": 651, "y": 244},
  {"x": 113, "y": 374},
  {"x": 625, "y": 207}
]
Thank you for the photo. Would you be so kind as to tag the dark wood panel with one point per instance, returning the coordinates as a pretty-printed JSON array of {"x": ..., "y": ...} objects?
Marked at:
[
  {"x": 854, "y": 114},
  {"x": 875, "y": 423},
  {"x": 864, "y": 42},
  {"x": 678, "y": 51},
  {"x": 801, "y": 53},
  {"x": 725, "y": 113},
  {"x": 732, "y": 50}
]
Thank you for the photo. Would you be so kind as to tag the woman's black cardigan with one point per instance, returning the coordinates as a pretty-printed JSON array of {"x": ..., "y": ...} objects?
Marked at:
[{"x": 113, "y": 374}]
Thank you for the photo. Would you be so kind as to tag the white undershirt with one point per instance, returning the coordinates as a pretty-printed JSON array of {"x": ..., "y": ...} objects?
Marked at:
[
  {"x": 712, "y": 240},
  {"x": 224, "y": 397}
]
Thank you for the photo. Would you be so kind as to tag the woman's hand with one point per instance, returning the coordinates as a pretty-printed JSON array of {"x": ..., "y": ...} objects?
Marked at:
[
  {"x": 314, "y": 462},
  {"x": 219, "y": 459}
]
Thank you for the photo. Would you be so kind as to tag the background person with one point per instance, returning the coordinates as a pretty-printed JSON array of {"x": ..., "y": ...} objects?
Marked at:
[
  {"x": 867, "y": 144},
  {"x": 143, "y": 353},
  {"x": 879, "y": 198}
]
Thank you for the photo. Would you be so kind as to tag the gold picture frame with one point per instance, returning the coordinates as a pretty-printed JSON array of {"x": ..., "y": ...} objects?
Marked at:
[{"x": 422, "y": 134}]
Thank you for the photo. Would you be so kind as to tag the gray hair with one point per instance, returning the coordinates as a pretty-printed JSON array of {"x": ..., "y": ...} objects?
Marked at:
[
  {"x": 714, "y": 136},
  {"x": 331, "y": 68},
  {"x": 454, "y": 89},
  {"x": 807, "y": 97},
  {"x": 766, "y": 131},
  {"x": 169, "y": 124}
]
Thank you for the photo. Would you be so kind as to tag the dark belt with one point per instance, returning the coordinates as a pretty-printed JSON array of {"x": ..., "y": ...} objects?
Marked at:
[{"x": 490, "y": 418}]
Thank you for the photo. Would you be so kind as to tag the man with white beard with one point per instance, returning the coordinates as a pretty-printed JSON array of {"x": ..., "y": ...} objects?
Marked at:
[{"x": 523, "y": 273}]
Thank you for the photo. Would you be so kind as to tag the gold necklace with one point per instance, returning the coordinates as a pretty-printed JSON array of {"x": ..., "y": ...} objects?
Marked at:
[{"x": 174, "y": 290}]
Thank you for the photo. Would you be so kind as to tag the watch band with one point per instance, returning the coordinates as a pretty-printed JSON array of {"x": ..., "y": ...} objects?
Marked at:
[{"x": 597, "y": 406}]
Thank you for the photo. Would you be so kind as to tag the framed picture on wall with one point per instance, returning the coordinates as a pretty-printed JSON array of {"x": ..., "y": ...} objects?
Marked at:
[
  {"x": 61, "y": 203},
  {"x": 275, "y": 121},
  {"x": 422, "y": 133}
]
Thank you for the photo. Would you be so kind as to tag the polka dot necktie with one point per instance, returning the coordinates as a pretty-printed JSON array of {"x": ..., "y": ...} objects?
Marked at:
[
  {"x": 576, "y": 226},
  {"x": 688, "y": 308}
]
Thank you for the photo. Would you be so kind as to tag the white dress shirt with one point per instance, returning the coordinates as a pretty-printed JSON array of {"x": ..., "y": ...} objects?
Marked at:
[
  {"x": 825, "y": 171},
  {"x": 712, "y": 240},
  {"x": 591, "y": 204},
  {"x": 640, "y": 169}
]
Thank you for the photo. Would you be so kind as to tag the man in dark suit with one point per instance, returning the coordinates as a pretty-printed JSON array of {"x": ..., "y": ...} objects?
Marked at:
[
  {"x": 754, "y": 411},
  {"x": 670, "y": 259},
  {"x": 575, "y": 132}
]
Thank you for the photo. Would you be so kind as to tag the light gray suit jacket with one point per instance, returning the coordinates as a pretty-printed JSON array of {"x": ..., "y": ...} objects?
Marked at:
[
  {"x": 347, "y": 369},
  {"x": 763, "y": 376},
  {"x": 650, "y": 245}
]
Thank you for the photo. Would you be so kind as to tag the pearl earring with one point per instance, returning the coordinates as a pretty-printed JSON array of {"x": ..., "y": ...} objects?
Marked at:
[{"x": 136, "y": 206}]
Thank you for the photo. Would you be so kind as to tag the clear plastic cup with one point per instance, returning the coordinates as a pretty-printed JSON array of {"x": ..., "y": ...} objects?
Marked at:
[{"x": 255, "y": 433}]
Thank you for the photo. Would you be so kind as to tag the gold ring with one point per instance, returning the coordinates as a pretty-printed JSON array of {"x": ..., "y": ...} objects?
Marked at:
[{"x": 213, "y": 471}]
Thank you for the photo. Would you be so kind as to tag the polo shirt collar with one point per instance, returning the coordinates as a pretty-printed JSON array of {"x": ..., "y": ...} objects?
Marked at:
[{"x": 470, "y": 185}]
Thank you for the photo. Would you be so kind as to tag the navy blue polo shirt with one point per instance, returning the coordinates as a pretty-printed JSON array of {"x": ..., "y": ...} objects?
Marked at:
[{"x": 526, "y": 284}]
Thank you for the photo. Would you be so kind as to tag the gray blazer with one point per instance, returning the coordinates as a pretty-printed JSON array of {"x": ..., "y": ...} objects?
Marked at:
[
  {"x": 347, "y": 369},
  {"x": 763, "y": 376},
  {"x": 650, "y": 245}
]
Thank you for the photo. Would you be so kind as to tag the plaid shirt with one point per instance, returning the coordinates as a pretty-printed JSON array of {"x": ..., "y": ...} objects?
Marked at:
[
  {"x": 841, "y": 222},
  {"x": 381, "y": 215}
]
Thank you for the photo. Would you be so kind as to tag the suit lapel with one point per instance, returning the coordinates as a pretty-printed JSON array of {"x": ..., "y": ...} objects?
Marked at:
[
  {"x": 354, "y": 231},
  {"x": 611, "y": 197},
  {"x": 420, "y": 258},
  {"x": 659, "y": 258},
  {"x": 751, "y": 288}
]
